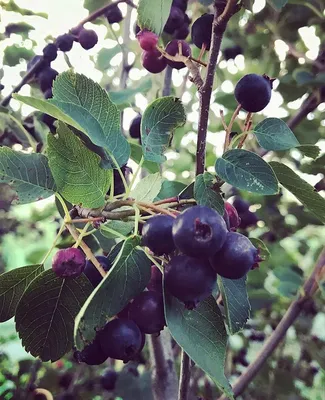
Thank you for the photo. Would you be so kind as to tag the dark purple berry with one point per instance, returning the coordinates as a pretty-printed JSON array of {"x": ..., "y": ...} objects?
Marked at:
[
  {"x": 182, "y": 32},
  {"x": 247, "y": 219},
  {"x": 69, "y": 263},
  {"x": 230, "y": 53},
  {"x": 65, "y": 379},
  {"x": 175, "y": 20},
  {"x": 48, "y": 94},
  {"x": 190, "y": 280},
  {"x": 241, "y": 205},
  {"x": 46, "y": 78},
  {"x": 114, "y": 15},
  {"x": 199, "y": 231},
  {"x": 157, "y": 234},
  {"x": 172, "y": 49},
  {"x": 134, "y": 130},
  {"x": 236, "y": 257},
  {"x": 155, "y": 282},
  {"x": 202, "y": 31},
  {"x": 92, "y": 354},
  {"x": 231, "y": 217},
  {"x": 87, "y": 38},
  {"x": 147, "y": 311},
  {"x": 121, "y": 339},
  {"x": 108, "y": 379},
  {"x": 181, "y": 4},
  {"x": 65, "y": 42},
  {"x": 92, "y": 273},
  {"x": 153, "y": 61},
  {"x": 50, "y": 52},
  {"x": 147, "y": 40},
  {"x": 253, "y": 92}
]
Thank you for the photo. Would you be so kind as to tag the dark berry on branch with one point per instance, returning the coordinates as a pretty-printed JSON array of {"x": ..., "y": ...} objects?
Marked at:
[
  {"x": 108, "y": 379},
  {"x": 153, "y": 61},
  {"x": 92, "y": 354},
  {"x": 241, "y": 205},
  {"x": 247, "y": 219},
  {"x": 181, "y": 4},
  {"x": 147, "y": 40},
  {"x": 65, "y": 42},
  {"x": 50, "y": 52},
  {"x": 155, "y": 282},
  {"x": 69, "y": 263},
  {"x": 134, "y": 130},
  {"x": 190, "y": 280},
  {"x": 172, "y": 49},
  {"x": 114, "y": 15},
  {"x": 46, "y": 78},
  {"x": 48, "y": 94},
  {"x": 182, "y": 32},
  {"x": 157, "y": 234},
  {"x": 202, "y": 31},
  {"x": 230, "y": 53},
  {"x": 199, "y": 231},
  {"x": 87, "y": 38},
  {"x": 175, "y": 20},
  {"x": 92, "y": 273},
  {"x": 253, "y": 92}
]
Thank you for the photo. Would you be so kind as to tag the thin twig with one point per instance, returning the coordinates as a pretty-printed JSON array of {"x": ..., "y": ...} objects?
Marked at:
[
  {"x": 309, "y": 289},
  {"x": 247, "y": 126},
  {"x": 229, "y": 128},
  {"x": 185, "y": 376},
  {"x": 167, "y": 81}
]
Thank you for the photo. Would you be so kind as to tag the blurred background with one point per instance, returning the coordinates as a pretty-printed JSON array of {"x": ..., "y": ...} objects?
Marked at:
[{"x": 287, "y": 45}]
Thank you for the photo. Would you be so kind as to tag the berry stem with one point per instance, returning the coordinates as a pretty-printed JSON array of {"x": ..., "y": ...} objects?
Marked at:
[
  {"x": 185, "y": 376},
  {"x": 136, "y": 219},
  {"x": 167, "y": 81},
  {"x": 228, "y": 130},
  {"x": 248, "y": 124},
  {"x": 135, "y": 175},
  {"x": 67, "y": 217},
  {"x": 81, "y": 235}
]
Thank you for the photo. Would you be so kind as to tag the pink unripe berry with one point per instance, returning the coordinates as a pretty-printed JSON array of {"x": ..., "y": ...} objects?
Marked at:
[
  {"x": 69, "y": 263},
  {"x": 147, "y": 40}
]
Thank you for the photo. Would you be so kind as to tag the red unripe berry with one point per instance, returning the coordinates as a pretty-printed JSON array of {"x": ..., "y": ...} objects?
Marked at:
[
  {"x": 69, "y": 263},
  {"x": 147, "y": 40}
]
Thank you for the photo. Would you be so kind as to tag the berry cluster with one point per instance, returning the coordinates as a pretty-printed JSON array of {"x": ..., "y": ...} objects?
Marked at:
[{"x": 200, "y": 244}]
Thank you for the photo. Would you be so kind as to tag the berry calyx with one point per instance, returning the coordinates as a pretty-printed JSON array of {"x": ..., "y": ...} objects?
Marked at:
[
  {"x": 231, "y": 217},
  {"x": 172, "y": 49},
  {"x": 134, "y": 130},
  {"x": 147, "y": 311},
  {"x": 153, "y": 61},
  {"x": 65, "y": 42},
  {"x": 87, "y": 38},
  {"x": 69, "y": 263},
  {"x": 108, "y": 379},
  {"x": 157, "y": 234},
  {"x": 50, "y": 52},
  {"x": 202, "y": 31},
  {"x": 236, "y": 258},
  {"x": 253, "y": 92},
  {"x": 121, "y": 339},
  {"x": 147, "y": 40},
  {"x": 199, "y": 231},
  {"x": 92, "y": 354},
  {"x": 190, "y": 280},
  {"x": 92, "y": 272},
  {"x": 114, "y": 15}
]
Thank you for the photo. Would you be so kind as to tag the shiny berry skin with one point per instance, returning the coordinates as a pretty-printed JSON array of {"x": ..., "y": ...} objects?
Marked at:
[
  {"x": 108, "y": 379},
  {"x": 87, "y": 38},
  {"x": 202, "y": 31},
  {"x": 199, "y": 231},
  {"x": 190, "y": 280},
  {"x": 121, "y": 339},
  {"x": 157, "y": 234},
  {"x": 253, "y": 92},
  {"x": 153, "y": 61},
  {"x": 147, "y": 40},
  {"x": 175, "y": 20},
  {"x": 182, "y": 32},
  {"x": 65, "y": 42},
  {"x": 92, "y": 354},
  {"x": 46, "y": 78},
  {"x": 147, "y": 311},
  {"x": 231, "y": 217},
  {"x": 50, "y": 52},
  {"x": 172, "y": 49},
  {"x": 69, "y": 263},
  {"x": 236, "y": 257},
  {"x": 155, "y": 282},
  {"x": 92, "y": 273},
  {"x": 134, "y": 130},
  {"x": 114, "y": 15}
]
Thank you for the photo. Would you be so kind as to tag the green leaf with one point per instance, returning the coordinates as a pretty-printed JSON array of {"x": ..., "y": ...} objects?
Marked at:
[
  {"x": 93, "y": 5},
  {"x": 153, "y": 18},
  {"x": 274, "y": 134},
  {"x": 147, "y": 189},
  {"x": 132, "y": 386},
  {"x": 158, "y": 122},
  {"x": 82, "y": 103},
  {"x": 289, "y": 280},
  {"x": 309, "y": 150},
  {"x": 9, "y": 122},
  {"x": 304, "y": 192},
  {"x": 206, "y": 193},
  {"x": 264, "y": 251},
  {"x": 248, "y": 171},
  {"x": 28, "y": 175},
  {"x": 12, "y": 6},
  {"x": 277, "y": 4},
  {"x": 46, "y": 312},
  {"x": 127, "y": 95},
  {"x": 235, "y": 299},
  {"x": 170, "y": 189},
  {"x": 12, "y": 286},
  {"x": 302, "y": 76},
  {"x": 128, "y": 277},
  {"x": 105, "y": 56},
  {"x": 14, "y": 54},
  {"x": 202, "y": 335},
  {"x": 76, "y": 170},
  {"x": 226, "y": 99},
  {"x": 136, "y": 155},
  {"x": 122, "y": 227}
]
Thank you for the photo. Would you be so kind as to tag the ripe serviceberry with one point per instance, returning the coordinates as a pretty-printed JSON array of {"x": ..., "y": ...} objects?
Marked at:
[
  {"x": 147, "y": 40},
  {"x": 253, "y": 92},
  {"x": 247, "y": 219},
  {"x": 182, "y": 32},
  {"x": 114, "y": 15},
  {"x": 108, "y": 379},
  {"x": 65, "y": 42},
  {"x": 92, "y": 272},
  {"x": 230, "y": 53},
  {"x": 155, "y": 282},
  {"x": 202, "y": 31},
  {"x": 199, "y": 231},
  {"x": 69, "y": 263},
  {"x": 181, "y": 4},
  {"x": 92, "y": 354},
  {"x": 157, "y": 234},
  {"x": 46, "y": 78},
  {"x": 172, "y": 49},
  {"x": 175, "y": 20},
  {"x": 134, "y": 130},
  {"x": 241, "y": 205},
  {"x": 190, "y": 280},
  {"x": 50, "y": 52},
  {"x": 121, "y": 339},
  {"x": 147, "y": 311},
  {"x": 153, "y": 61},
  {"x": 87, "y": 38},
  {"x": 236, "y": 258}
]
